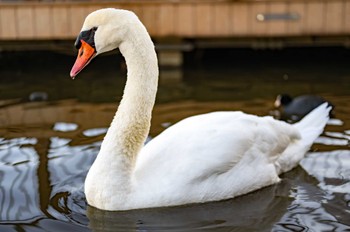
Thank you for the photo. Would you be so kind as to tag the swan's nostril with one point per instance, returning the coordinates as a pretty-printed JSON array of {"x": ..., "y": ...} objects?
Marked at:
[{"x": 82, "y": 52}]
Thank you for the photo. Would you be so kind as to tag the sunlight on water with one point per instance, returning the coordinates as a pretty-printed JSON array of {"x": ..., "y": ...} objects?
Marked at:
[
  {"x": 334, "y": 179},
  {"x": 46, "y": 149},
  {"x": 64, "y": 127}
]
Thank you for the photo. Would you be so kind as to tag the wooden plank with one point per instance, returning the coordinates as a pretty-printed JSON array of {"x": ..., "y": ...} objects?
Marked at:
[
  {"x": 277, "y": 26},
  {"x": 91, "y": 8},
  {"x": 334, "y": 17},
  {"x": 77, "y": 18},
  {"x": 314, "y": 17},
  {"x": 205, "y": 12},
  {"x": 25, "y": 22},
  {"x": 8, "y": 23},
  {"x": 42, "y": 21},
  {"x": 258, "y": 27},
  {"x": 347, "y": 17},
  {"x": 296, "y": 27},
  {"x": 166, "y": 20},
  {"x": 222, "y": 19},
  {"x": 240, "y": 19},
  {"x": 136, "y": 8},
  {"x": 60, "y": 22},
  {"x": 150, "y": 18},
  {"x": 185, "y": 22}
]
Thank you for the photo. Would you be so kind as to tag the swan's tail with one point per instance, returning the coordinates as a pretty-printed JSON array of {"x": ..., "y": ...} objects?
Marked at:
[{"x": 312, "y": 125}]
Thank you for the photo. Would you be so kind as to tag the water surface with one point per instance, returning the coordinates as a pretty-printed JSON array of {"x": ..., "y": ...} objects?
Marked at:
[{"x": 47, "y": 147}]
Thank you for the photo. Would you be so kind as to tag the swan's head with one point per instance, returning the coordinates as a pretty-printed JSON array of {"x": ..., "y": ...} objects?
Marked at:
[{"x": 103, "y": 30}]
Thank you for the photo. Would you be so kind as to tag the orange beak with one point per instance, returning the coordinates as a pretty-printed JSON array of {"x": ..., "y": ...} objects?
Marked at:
[{"x": 85, "y": 54}]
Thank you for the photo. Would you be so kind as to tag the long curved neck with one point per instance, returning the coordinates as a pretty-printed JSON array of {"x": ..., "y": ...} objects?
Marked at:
[{"x": 131, "y": 123}]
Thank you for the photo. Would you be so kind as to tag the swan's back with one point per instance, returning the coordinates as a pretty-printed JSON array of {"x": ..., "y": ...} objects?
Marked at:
[{"x": 212, "y": 156}]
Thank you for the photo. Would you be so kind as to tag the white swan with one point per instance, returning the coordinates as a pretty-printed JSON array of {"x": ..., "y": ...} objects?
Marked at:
[{"x": 203, "y": 158}]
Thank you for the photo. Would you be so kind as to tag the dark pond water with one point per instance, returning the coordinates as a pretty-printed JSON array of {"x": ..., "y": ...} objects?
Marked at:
[{"x": 48, "y": 145}]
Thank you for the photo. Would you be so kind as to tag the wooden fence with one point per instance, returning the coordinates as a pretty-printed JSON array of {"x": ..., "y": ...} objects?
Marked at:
[{"x": 26, "y": 20}]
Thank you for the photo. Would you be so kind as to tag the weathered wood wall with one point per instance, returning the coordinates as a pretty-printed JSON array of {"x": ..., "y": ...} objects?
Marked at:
[{"x": 183, "y": 18}]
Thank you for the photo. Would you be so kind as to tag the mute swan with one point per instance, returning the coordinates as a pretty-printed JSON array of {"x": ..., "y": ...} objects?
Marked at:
[
  {"x": 296, "y": 108},
  {"x": 203, "y": 158}
]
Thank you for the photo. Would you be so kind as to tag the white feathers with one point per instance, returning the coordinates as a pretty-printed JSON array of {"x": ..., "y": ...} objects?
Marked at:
[{"x": 312, "y": 125}]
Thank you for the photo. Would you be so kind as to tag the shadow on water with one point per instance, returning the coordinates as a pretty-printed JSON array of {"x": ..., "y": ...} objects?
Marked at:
[
  {"x": 295, "y": 204},
  {"x": 258, "y": 211},
  {"x": 47, "y": 147}
]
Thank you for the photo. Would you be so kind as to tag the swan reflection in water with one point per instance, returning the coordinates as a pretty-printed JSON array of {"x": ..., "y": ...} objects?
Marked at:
[{"x": 257, "y": 211}]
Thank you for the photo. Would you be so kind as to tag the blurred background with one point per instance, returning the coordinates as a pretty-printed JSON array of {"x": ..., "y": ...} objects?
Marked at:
[
  {"x": 36, "y": 39},
  {"x": 213, "y": 55}
]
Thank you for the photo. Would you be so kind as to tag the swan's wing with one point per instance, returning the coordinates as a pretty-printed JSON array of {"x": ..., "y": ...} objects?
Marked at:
[{"x": 208, "y": 145}]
